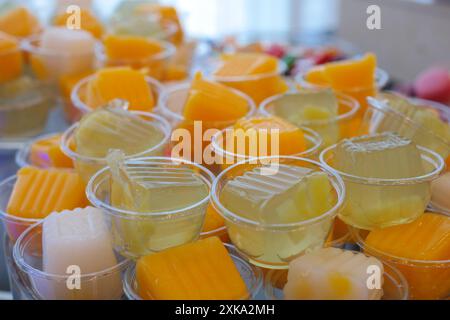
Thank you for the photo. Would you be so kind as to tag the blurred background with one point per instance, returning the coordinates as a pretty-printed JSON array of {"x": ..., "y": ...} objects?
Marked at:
[{"x": 414, "y": 33}]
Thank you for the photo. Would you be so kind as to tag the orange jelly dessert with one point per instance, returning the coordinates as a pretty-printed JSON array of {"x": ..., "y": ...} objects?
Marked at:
[
  {"x": 11, "y": 63},
  {"x": 19, "y": 22},
  {"x": 421, "y": 251},
  {"x": 211, "y": 101},
  {"x": 120, "y": 83},
  {"x": 355, "y": 77},
  {"x": 39, "y": 192},
  {"x": 46, "y": 153},
  {"x": 256, "y": 74},
  {"x": 290, "y": 138},
  {"x": 202, "y": 270},
  {"x": 130, "y": 47},
  {"x": 88, "y": 22}
]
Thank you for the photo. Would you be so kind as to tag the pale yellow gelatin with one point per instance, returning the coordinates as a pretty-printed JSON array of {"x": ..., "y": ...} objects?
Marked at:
[
  {"x": 149, "y": 189},
  {"x": 334, "y": 274},
  {"x": 312, "y": 108},
  {"x": 372, "y": 205},
  {"x": 430, "y": 131},
  {"x": 112, "y": 128},
  {"x": 290, "y": 195}
]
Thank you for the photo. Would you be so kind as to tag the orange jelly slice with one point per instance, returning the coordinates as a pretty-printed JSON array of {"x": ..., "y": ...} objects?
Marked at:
[
  {"x": 426, "y": 239},
  {"x": 68, "y": 82},
  {"x": 19, "y": 22},
  {"x": 11, "y": 64},
  {"x": 291, "y": 139},
  {"x": 202, "y": 270},
  {"x": 119, "y": 47},
  {"x": 120, "y": 83},
  {"x": 88, "y": 22},
  {"x": 213, "y": 220},
  {"x": 46, "y": 153},
  {"x": 211, "y": 101},
  {"x": 243, "y": 64},
  {"x": 346, "y": 75},
  {"x": 39, "y": 192}
]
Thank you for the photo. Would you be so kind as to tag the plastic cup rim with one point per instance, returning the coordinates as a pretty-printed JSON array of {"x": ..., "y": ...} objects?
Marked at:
[
  {"x": 310, "y": 135},
  {"x": 426, "y": 154},
  {"x": 84, "y": 108},
  {"x": 185, "y": 86},
  {"x": 338, "y": 185},
  {"x": 32, "y": 271},
  {"x": 68, "y": 134},
  {"x": 130, "y": 276},
  {"x": 401, "y": 282},
  {"x": 93, "y": 184},
  {"x": 342, "y": 98},
  {"x": 169, "y": 51}
]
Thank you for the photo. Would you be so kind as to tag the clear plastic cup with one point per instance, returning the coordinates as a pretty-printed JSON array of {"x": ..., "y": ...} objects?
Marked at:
[
  {"x": 88, "y": 166},
  {"x": 23, "y": 110},
  {"x": 273, "y": 246},
  {"x": 259, "y": 86},
  {"x": 380, "y": 117},
  {"x": 427, "y": 279},
  {"x": 395, "y": 286},
  {"x": 359, "y": 94},
  {"x": 16, "y": 283},
  {"x": 313, "y": 139},
  {"x": 14, "y": 226},
  {"x": 51, "y": 66},
  {"x": 138, "y": 234},
  {"x": 156, "y": 64},
  {"x": 172, "y": 106},
  {"x": 251, "y": 275},
  {"x": 28, "y": 256},
  {"x": 78, "y": 96},
  {"x": 365, "y": 195},
  {"x": 345, "y": 125},
  {"x": 339, "y": 236},
  {"x": 163, "y": 32}
]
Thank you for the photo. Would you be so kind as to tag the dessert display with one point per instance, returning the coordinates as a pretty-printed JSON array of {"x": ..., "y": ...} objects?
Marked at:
[
  {"x": 140, "y": 92},
  {"x": 262, "y": 137},
  {"x": 373, "y": 199},
  {"x": 153, "y": 165},
  {"x": 136, "y": 52},
  {"x": 420, "y": 250},
  {"x": 276, "y": 212},
  {"x": 418, "y": 120},
  {"x": 59, "y": 51},
  {"x": 333, "y": 116},
  {"x": 332, "y": 274},
  {"x": 354, "y": 77},
  {"x": 205, "y": 266},
  {"x": 258, "y": 75},
  {"x": 66, "y": 242},
  {"x": 153, "y": 203},
  {"x": 20, "y": 94},
  {"x": 44, "y": 152},
  {"x": 136, "y": 134}
]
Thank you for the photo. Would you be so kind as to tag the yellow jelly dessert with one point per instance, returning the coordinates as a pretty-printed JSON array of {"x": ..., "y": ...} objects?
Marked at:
[
  {"x": 285, "y": 195},
  {"x": 428, "y": 130},
  {"x": 167, "y": 201},
  {"x": 372, "y": 204},
  {"x": 111, "y": 128},
  {"x": 333, "y": 274}
]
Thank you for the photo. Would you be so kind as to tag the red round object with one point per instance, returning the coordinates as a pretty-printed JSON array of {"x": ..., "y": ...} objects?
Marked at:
[{"x": 433, "y": 84}]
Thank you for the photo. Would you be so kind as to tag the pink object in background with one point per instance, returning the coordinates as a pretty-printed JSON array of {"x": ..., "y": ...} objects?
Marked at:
[{"x": 433, "y": 84}]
